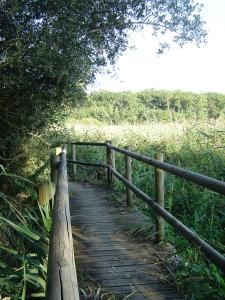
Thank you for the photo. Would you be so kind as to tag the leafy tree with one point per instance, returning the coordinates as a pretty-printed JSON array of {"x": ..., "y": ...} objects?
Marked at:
[
  {"x": 216, "y": 105},
  {"x": 50, "y": 50},
  {"x": 149, "y": 105}
]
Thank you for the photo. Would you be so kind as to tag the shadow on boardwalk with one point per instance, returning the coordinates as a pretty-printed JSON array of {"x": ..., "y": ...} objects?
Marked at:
[{"x": 114, "y": 261}]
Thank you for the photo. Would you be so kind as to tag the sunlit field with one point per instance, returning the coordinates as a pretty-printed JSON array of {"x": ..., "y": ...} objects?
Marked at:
[{"x": 152, "y": 132}]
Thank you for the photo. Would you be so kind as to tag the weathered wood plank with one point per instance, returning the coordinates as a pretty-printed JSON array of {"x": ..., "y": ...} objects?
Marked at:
[{"x": 117, "y": 268}]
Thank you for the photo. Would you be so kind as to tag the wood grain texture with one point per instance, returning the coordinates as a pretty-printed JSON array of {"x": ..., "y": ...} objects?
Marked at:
[
  {"x": 159, "y": 198},
  {"x": 128, "y": 171},
  {"x": 74, "y": 157},
  {"x": 61, "y": 279},
  {"x": 102, "y": 250}
]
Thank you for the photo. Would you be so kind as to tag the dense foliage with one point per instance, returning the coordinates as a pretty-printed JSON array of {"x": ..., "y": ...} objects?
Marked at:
[{"x": 149, "y": 105}]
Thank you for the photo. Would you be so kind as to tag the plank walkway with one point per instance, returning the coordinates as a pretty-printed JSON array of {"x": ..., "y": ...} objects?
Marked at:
[{"x": 102, "y": 251}]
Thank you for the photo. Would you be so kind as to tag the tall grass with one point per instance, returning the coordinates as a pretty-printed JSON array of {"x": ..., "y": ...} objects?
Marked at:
[{"x": 24, "y": 243}]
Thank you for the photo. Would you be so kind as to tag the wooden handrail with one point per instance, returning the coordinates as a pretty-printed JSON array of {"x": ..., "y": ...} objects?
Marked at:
[
  {"x": 89, "y": 144},
  {"x": 61, "y": 275},
  {"x": 199, "y": 179},
  {"x": 87, "y": 164}
]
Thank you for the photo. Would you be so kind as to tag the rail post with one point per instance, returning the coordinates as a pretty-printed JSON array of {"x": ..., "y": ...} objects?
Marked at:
[
  {"x": 109, "y": 163},
  {"x": 113, "y": 159},
  {"x": 61, "y": 273},
  {"x": 128, "y": 170},
  {"x": 159, "y": 198},
  {"x": 74, "y": 157},
  {"x": 113, "y": 164},
  {"x": 54, "y": 162}
]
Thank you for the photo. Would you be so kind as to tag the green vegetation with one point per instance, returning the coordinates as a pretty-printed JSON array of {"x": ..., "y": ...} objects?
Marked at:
[
  {"x": 49, "y": 52},
  {"x": 23, "y": 263},
  {"x": 198, "y": 147},
  {"x": 147, "y": 106}
]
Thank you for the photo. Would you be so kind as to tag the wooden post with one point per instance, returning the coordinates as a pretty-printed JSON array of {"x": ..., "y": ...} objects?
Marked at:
[
  {"x": 61, "y": 275},
  {"x": 113, "y": 164},
  {"x": 128, "y": 169},
  {"x": 74, "y": 157},
  {"x": 58, "y": 150},
  {"x": 159, "y": 198},
  {"x": 113, "y": 159},
  {"x": 109, "y": 163},
  {"x": 54, "y": 160}
]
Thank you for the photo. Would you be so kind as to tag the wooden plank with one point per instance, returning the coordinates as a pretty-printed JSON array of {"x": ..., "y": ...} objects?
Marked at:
[
  {"x": 151, "y": 287},
  {"x": 124, "y": 276},
  {"x": 115, "y": 264},
  {"x": 109, "y": 257},
  {"x": 153, "y": 296},
  {"x": 130, "y": 281},
  {"x": 116, "y": 255},
  {"x": 120, "y": 268}
]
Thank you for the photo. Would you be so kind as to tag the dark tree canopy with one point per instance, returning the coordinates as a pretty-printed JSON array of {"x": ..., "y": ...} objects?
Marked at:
[{"x": 52, "y": 49}]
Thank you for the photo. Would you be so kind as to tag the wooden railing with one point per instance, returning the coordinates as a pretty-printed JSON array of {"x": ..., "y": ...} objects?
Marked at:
[
  {"x": 158, "y": 204},
  {"x": 61, "y": 275}
]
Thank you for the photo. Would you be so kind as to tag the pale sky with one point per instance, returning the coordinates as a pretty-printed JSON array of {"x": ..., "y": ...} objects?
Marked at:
[{"x": 190, "y": 68}]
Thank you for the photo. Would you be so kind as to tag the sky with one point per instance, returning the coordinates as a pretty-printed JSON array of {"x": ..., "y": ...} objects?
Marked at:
[{"x": 189, "y": 68}]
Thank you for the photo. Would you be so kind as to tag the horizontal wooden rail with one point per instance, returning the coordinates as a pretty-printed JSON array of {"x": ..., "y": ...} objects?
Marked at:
[
  {"x": 205, "y": 181},
  {"x": 87, "y": 164},
  {"x": 89, "y": 144},
  {"x": 61, "y": 275},
  {"x": 217, "y": 258}
]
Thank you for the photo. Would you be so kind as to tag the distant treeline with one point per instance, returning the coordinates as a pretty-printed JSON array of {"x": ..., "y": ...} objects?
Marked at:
[{"x": 150, "y": 105}]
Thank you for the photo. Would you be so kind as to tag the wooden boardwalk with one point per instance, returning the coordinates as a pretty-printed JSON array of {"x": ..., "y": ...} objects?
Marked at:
[{"x": 116, "y": 262}]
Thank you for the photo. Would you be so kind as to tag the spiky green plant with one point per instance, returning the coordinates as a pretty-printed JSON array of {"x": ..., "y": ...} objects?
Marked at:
[{"x": 31, "y": 265}]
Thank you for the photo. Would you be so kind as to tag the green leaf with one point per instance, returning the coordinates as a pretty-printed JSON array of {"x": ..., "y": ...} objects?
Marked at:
[
  {"x": 22, "y": 229},
  {"x": 45, "y": 214},
  {"x": 3, "y": 265},
  {"x": 12, "y": 251},
  {"x": 23, "y": 297},
  {"x": 38, "y": 295},
  {"x": 37, "y": 280}
]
